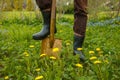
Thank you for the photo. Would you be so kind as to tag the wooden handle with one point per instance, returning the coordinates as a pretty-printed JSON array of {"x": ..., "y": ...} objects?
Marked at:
[{"x": 52, "y": 23}]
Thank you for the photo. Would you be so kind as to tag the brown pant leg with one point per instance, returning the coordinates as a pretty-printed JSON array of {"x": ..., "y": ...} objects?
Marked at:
[
  {"x": 80, "y": 17},
  {"x": 44, "y": 4}
]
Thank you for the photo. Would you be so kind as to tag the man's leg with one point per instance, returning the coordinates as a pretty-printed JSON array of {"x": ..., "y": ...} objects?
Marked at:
[
  {"x": 45, "y": 8},
  {"x": 80, "y": 21},
  {"x": 44, "y": 5}
]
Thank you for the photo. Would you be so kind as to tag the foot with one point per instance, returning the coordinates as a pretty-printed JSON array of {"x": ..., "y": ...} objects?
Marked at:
[
  {"x": 43, "y": 33},
  {"x": 82, "y": 56}
]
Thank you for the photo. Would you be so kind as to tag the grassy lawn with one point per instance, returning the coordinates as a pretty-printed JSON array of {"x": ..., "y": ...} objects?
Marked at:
[{"x": 20, "y": 55}]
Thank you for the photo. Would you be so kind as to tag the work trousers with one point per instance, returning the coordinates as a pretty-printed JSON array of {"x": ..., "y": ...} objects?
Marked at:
[{"x": 80, "y": 14}]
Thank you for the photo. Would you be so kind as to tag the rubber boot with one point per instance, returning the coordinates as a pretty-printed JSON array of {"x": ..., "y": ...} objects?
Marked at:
[
  {"x": 78, "y": 41},
  {"x": 45, "y": 31}
]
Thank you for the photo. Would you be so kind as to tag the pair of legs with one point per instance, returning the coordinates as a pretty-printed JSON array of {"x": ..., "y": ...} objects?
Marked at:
[{"x": 79, "y": 27}]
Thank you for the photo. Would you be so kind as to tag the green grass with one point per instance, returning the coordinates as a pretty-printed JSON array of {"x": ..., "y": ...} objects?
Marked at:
[{"x": 19, "y": 61}]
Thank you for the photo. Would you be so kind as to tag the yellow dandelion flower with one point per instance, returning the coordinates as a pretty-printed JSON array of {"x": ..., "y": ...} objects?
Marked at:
[
  {"x": 79, "y": 65},
  {"x": 79, "y": 49},
  {"x": 52, "y": 57},
  {"x": 39, "y": 77},
  {"x": 55, "y": 49},
  {"x": 98, "y": 49},
  {"x": 31, "y": 46},
  {"x": 67, "y": 44},
  {"x": 6, "y": 77},
  {"x": 97, "y": 62},
  {"x": 106, "y": 61},
  {"x": 91, "y": 52},
  {"x": 38, "y": 69},
  {"x": 42, "y": 55},
  {"x": 0, "y": 22},
  {"x": 61, "y": 31},
  {"x": 101, "y": 55},
  {"x": 26, "y": 54},
  {"x": 93, "y": 58},
  {"x": 86, "y": 29}
]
